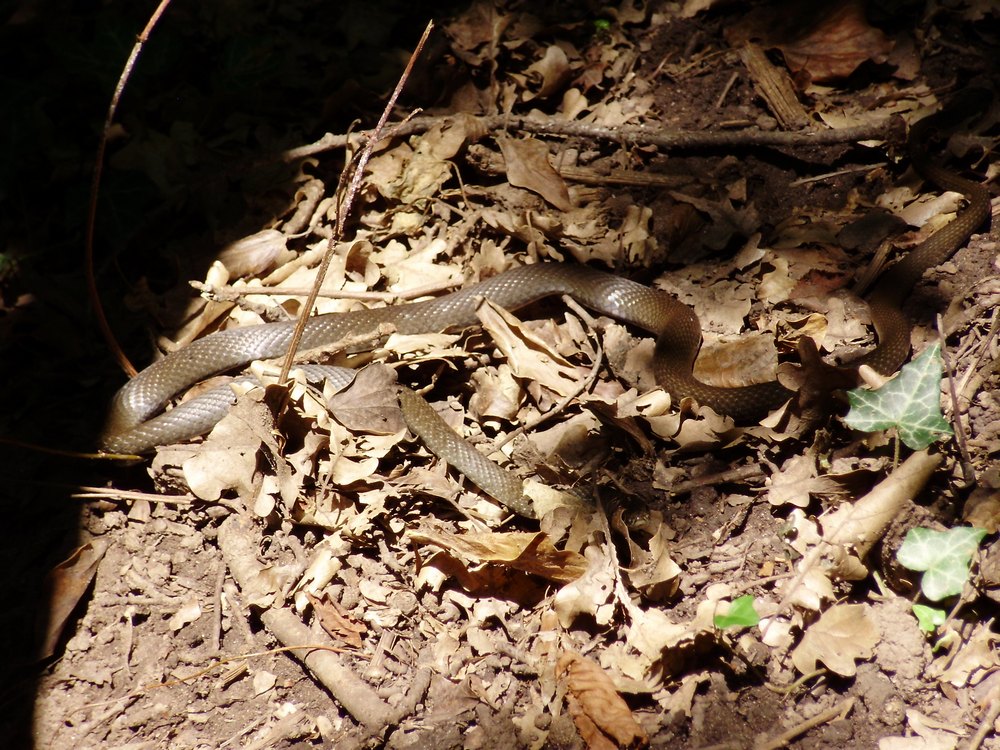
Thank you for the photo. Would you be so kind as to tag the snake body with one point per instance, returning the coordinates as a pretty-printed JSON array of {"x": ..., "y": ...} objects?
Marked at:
[{"x": 133, "y": 426}]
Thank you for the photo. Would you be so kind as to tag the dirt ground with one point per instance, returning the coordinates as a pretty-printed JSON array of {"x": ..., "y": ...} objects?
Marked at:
[{"x": 317, "y": 581}]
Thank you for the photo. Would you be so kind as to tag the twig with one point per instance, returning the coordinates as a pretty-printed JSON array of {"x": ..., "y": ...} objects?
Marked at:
[
  {"x": 889, "y": 129},
  {"x": 739, "y": 474},
  {"x": 230, "y": 293},
  {"x": 346, "y": 206},
  {"x": 972, "y": 380},
  {"x": 237, "y": 541},
  {"x": 839, "y": 711},
  {"x": 989, "y": 719},
  {"x": 95, "y": 187},
  {"x": 106, "y": 493},
  {"x": 220, "y": 579}
]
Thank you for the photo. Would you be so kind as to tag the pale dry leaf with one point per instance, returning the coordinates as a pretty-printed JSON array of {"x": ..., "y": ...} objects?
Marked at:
[
  {"x": 227, "y": 460},
  {"x": 573, "y": 442},
  {"x": 346, "y": 471},
  {"x": 497, "y": 393},
  {"x": 806, "y": 532},
  {"x": 446, "y": 138},
  {"x": 974, "y": 659},
  {"x": 798, "y": 481},
  {"x": 631, "y": 241},
  {"x": 263, "y": 681},
  {"x": 252, "y": 255},
  {"x": 597, "y": 709},
  {"x": 843, "y": 634},
  {"x": 189, "y": 612},
  {"x": 530, "y": 552},
  {"x": 752, "y": 358},
  {"x": 776, "y": 285},
  {"x": 651, "y": 632},
  {"x": 652, "y": 571},
  {"x": 591, "y": 594},
  {"x": 811, "y": 589},
  {"x": 530, "y": 357},
  {"x": 548, "y": 75}
]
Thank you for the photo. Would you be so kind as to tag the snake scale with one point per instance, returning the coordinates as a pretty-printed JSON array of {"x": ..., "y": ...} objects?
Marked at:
[{"x": 134, "y": 427}]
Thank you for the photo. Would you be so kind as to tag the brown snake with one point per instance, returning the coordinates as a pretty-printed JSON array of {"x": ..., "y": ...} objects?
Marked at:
[{"x": 133, "y": 428}]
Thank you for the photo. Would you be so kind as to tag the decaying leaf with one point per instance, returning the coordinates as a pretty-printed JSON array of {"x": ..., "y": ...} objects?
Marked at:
[
  {"x": 820, "y": 43},
  {"x": 652, "y": 570},
  {"x": 591, "y": 594},
  {"x": 188, "y": 613},
  {"x": 601, "y": 716},
  {"x": 969, "y": 661},
  {"x": 340, "y": 625},
  {"x": 252, "y": 255}
]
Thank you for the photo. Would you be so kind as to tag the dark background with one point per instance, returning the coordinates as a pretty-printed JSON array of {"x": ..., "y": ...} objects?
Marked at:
[{"x": 218, "y": 88}]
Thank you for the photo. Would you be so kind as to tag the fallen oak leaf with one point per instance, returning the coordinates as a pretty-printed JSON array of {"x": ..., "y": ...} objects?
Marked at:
[{"x": 842, "y": 635}]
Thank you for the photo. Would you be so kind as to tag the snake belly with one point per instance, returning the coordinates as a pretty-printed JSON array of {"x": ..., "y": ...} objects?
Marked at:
[{"x": 135, "y": 424}]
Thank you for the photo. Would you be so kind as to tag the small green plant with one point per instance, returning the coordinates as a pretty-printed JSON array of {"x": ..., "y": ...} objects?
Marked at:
[
  {"x": 944, "y": 557},
  {"x": 741, "y": 614},
  {"x": 929, "y": 619},
  {"x": 910, "y": 403}
]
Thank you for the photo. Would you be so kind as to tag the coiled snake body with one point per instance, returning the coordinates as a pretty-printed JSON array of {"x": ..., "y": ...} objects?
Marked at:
[{"x": 133, "y": 428}]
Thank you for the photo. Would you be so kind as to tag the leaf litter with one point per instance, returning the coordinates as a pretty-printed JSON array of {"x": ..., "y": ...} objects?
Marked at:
[{"x": 597, "y": 623}]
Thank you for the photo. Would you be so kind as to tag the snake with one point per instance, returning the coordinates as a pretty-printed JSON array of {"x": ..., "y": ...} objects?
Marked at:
[{"x": 137, "y": 423}]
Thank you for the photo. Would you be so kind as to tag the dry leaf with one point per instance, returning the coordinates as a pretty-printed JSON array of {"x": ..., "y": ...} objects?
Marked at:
[
  {"x": 601, "y": 716},
  {"x": 369, "y": 403},
  {"x": 188, "y": 613},
  {"x": 844, "y": 634},
  {"x": 591, "y": 594},
  {"x": 821, "y": 43},
  {"x": 972, "y": 661},
  {"x": 338, "y": 623},
  {"x": 251, "y": 256},
  {"x": 528, "y": 167},
  {"x": 531, "y": 357},
  {"x": 526, "y": 551},
  {"x": 552, "y": 70},
  {"x": 798, "y": 481},
  {"x": 65, "y": 584}
]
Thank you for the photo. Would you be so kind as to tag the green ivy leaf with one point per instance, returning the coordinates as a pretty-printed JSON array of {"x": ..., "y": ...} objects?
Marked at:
[
  {"x": 741, "y": 614},
  {"x": 929, "y": 619},
  {"x": 911, "y": 403},
  {"x": 943, "y": 556}
]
